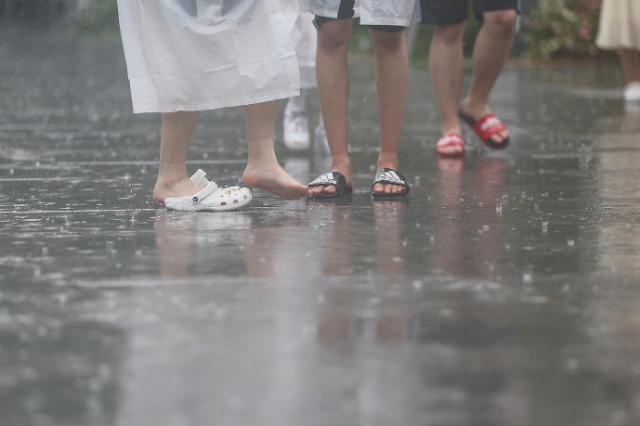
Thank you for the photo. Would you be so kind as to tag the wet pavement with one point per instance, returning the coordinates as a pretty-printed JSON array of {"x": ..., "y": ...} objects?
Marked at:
[{"x": 506, "y": 291}]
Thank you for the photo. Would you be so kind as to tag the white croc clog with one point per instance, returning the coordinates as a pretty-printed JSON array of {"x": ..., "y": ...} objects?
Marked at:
[{"x": 211, "y": 197}]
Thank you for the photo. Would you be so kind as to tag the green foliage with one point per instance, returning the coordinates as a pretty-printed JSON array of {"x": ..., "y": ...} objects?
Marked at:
[
  {"x": 561, "y": 27},
  {"x": 101, "y": 16}
]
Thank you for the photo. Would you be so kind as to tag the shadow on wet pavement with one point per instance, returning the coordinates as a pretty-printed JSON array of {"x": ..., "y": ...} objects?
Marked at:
[{"x": 504, "y": 292}]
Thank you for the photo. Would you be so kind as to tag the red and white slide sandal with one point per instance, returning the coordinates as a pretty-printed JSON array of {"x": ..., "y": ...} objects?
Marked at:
[
  {"x": 486, "y": 127},
  {"x": 451, "y": 146}
]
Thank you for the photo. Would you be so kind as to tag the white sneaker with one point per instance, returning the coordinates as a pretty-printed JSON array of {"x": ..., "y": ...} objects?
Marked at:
[
  {"x": 211, "y": 197},
  {"x": 320, "y": 134},
  {"x": 296, "y": 129},
  {"x": 632, "y": 91},
  {"x": 320, "y": 141}
]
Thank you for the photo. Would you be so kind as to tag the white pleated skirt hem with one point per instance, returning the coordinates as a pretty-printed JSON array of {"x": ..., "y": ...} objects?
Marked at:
[{"x": 142, "y": 107}]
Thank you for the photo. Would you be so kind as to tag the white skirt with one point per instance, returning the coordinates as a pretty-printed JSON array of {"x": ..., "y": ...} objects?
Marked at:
[
  {"x": 619, "y": 25},
  {"x": 194, "y": 55},
  {"x": 371, "y": 12}
]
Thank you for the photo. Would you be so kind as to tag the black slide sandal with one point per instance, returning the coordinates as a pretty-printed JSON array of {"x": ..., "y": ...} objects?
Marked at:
[
  {"x": 336, "y": 179},
  {"x": 393, "y": 177}
]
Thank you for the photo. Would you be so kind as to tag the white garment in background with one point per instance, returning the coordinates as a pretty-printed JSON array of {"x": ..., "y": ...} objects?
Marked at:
[
  {"x": 305, "y": 38},
  {"x": 193, "y": 55},
  {"x": 371, "y": 12},
  {"x": 619, "y": 25}
]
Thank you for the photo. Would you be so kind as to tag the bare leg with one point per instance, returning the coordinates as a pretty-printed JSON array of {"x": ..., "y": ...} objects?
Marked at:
[
  {"x": 263, "y": 170},
  {"x": 446, "y": 66},
  {"x": 333, "y": 91},
  {"x": 175, "y": 138},
  {"x": 630, "y": 60},
  {"x": 489, "y": 56},
  {"x": 392, "y": 73}
]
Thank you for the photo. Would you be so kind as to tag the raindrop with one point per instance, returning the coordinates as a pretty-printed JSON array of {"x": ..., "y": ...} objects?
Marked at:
[
  {"x": 572, "y": 364},
  {"x": 527, "y": 277},
  {"x": 545, "y": 227},
  {"x": 571, "y": 243}
]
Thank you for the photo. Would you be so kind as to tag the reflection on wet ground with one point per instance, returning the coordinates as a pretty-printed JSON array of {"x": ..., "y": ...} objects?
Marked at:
[{"x": 505, "y": 292}]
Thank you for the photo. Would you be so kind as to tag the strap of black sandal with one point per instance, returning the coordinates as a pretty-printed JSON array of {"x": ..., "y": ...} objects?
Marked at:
[
  {"x": 392, "y": 177},
  {"x": 336, "y": 179}
]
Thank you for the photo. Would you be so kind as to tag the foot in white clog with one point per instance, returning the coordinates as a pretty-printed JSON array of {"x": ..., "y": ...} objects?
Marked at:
[{"x": 210, "y": 198}]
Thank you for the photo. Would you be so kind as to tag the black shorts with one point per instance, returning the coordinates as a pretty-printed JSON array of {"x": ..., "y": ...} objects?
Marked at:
[
  {"x": 449, "y": 12},
  {"x": 347, "y": 11}
]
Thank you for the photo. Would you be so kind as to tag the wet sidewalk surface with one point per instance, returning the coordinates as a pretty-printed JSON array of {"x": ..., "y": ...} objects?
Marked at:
[{"x": 506, "y": 291}]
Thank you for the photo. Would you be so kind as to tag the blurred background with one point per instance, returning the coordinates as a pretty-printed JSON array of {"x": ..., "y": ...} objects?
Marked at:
[{"x": 548, "y": 28}]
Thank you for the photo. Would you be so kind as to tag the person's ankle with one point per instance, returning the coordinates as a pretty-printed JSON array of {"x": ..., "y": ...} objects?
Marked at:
[
  {"x": 474, "y": 106},
  {"x": 167, "y": 181},
  {"x": 261, "y": 152},
  {"x": 388, "y": 160},
  {"x": 453, "y": 129},
  {"x": 341, "y": 163}
]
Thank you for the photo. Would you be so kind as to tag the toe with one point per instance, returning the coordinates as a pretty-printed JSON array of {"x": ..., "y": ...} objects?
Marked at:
[
  {"x": 499, "y": 138},
  {"x": 330, "y": 189},
  {"x": 378, "y": 187},
  {"x": 388, "y": 189}
]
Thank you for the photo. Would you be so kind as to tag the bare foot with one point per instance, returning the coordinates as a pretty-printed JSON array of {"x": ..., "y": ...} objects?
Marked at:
[
  {"x": 273, "y": 178},
  {"x": 181, "y": 188},
  {"x": 477, "y": 111}
]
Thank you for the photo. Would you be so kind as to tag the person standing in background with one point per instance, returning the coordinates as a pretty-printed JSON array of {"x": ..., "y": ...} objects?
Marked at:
[
  {"x": 296, "y": 134},
  {"x": 446, "y": 67},
  {"x": 620, "y": 31}
]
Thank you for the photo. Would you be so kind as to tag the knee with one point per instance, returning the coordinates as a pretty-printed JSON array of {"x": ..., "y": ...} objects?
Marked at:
[
  {"x": 449, "y": 34},
  {"x": 333, "y": 35},
  {"x": 501, "y": 22},
  {"x": 388, "y": 41}
]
